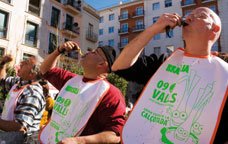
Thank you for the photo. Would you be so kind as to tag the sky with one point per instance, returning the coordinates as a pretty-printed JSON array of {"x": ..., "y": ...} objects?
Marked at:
[{"x": 100, "y": 4}]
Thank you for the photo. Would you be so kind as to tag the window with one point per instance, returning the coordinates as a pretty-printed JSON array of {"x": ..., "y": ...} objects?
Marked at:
[
  {"x": 157, "y": 37},
  {"x": 124, "y": 14},
  {"x": 111, "y": 17},
  {"x": 111, "y": 42},
  {"x": 139, "y": 24},
  {"x": 168, "y": 3},
  {"x": 101, "y": 19},
  {"x": 101, "y": 31},
  {"x": 170, "y": 34},
  {"x": 3, "y": 24},
  {"x": 34, "y": 7},
  {"x": 111, "y": 30},
  {"x": 69, "y": 22},
  {"x": 124, "y": 41},
  {"x": 124, "y": 27},
  {"x": 100, "y": 43},
  {"x": 157, "y": 51},
  {"x": 155, "y": 19},
  {"x": 156, "y": 6},
  {"x": 139, "y": 11},
  {"x": 26, "y": 56},
  {"x": 55, "y": 13},
  {"x": 213, "y": 7},
  {"x": 2, "y": 51},
  {"x": 31, "y": 34},
  {"x": 188, "y": 2},
  {"x": 90, "y": 28},
  {"x": 169, "y": 49},
  {"x": 52, "y": 43}
]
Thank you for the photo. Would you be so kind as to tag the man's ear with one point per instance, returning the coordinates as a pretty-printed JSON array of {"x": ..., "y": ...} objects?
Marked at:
[{"x": 215, "y": 28}]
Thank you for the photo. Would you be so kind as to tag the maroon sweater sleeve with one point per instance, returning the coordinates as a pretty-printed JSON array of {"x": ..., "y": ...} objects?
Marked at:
[
  {"x": 58, "y": 77},
  {"x": 112, "y": 111}
]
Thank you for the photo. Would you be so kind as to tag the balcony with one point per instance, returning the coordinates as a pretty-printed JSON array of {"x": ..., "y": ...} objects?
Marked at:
[
  {"x": 124, "y": 31},
  {"x": 70, "y": 30},
  {"x": 138, "y": 14},
  {"x": 138, "y": 28},
  {"x": 3, "y": 32},
  {"x": 34, "y": 9},
  {"x": 91, "y": 36},
  {"x": 185, "y": 3},
  {"x": 30, "y": 40},
  {"x": 123, "y": 17},
  {"x": 73, "y": 6},
  {"x": 204, "y": 1}
]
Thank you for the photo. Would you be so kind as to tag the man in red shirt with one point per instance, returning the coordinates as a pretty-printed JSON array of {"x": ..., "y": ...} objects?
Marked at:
[{"x": 94, "y": 108}]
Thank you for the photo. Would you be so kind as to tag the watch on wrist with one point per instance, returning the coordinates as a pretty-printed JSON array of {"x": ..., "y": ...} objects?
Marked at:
[{"x": 60, "y": 51}]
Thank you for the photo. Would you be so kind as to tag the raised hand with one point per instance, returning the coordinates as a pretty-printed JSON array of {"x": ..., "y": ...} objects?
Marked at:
[
  {"x": 68, "y": 46},
  {"x": 6, "y": 59}
]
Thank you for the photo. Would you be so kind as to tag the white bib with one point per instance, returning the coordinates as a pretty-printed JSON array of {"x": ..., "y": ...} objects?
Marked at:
[
  {"x": 10, "y": 103},
  {"x": 181, "y": 103},
  {"x": 74, "y": 106}
]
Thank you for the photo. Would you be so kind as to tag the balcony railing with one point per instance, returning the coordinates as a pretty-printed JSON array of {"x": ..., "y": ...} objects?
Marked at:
[
  {"x": 73, "y": 5},
  {"x": 138, "y": 28},
  {"x": 3, "y": 31},
  {"x": 34, "y": 9},
  {"x": 72, "y": 30},
  {"x": 203, "y": 1},
  {"x": 123, "y": 17},
  {"x": 91, "y": 36},
  {"x": 187, "y": 2},
  {"x": 6, "y": 1},
  {"x": 30, "y": 40},
  {"x": 138, "y": 13},
  {"x": 123, "y": 30}
]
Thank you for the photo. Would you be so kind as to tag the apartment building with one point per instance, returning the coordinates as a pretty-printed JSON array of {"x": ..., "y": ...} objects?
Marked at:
[
  {"x": 161, "y": 43},
  {"x": 131, "y": 21},
  {"x": 37, "y": 27},
  {"x": 118, "y": 31},
  {"x": 133, "y": 17},
  {"x": 222, "y": 10},
  {"x": 109, "y": 26}
]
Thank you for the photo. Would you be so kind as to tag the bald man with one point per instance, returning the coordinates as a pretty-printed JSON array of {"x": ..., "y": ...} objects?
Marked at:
[{"x": 184, "y": 99}]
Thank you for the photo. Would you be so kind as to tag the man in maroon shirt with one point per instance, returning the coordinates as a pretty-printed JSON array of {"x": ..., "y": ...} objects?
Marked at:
[{"x": 107, "y": 120}]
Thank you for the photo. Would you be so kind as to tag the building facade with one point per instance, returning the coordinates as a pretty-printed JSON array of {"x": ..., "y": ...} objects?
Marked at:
[
  {"x": 125, "y": 24},
  {"x": 131, "y": 21},
  {"x": 108, "y": 27},
  {"x": 133, "y": 18},
  {"x": 37, "y": 27},
  {"x": 222, "y": 10},
  {"x": 161, "y": 43}
]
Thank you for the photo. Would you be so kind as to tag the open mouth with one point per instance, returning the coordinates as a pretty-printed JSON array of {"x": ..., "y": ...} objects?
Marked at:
[{"x": 183, "y": 23}]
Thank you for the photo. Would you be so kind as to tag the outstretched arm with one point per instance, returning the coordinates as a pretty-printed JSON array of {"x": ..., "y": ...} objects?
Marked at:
[
  {"x": 51, "y": 60},
  {"x": 131, "y": 52}
]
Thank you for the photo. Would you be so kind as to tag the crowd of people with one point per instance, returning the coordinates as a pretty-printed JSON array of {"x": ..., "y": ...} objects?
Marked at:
[{"x": 183, "y": 99}]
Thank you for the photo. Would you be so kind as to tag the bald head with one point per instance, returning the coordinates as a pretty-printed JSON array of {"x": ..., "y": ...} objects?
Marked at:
[{"x": 217, "y": 26}]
